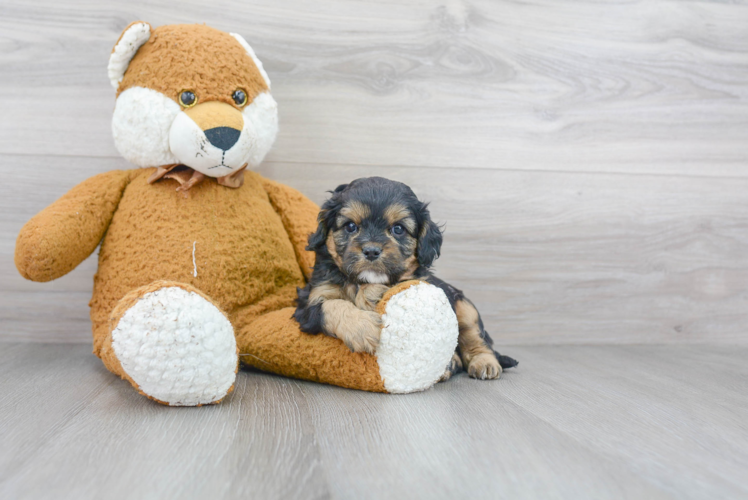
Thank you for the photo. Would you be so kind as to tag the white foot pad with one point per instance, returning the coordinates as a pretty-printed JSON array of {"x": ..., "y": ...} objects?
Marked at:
[
  {"x": 177, "y": 347},
  {"x": 418, "y": 339}
]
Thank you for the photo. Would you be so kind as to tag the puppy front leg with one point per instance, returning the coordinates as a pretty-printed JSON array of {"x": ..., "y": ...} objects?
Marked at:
[
  {"x": 369, "y": 295},
  {"x": 359, "y": 330},
  {"x": 474, "y": 343}
]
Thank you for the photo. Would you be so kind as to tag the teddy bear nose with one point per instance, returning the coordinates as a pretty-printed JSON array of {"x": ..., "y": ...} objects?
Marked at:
[{"x": 223, "y": 137}]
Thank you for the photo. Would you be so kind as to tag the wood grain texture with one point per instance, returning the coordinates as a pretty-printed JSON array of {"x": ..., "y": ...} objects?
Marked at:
[
  {"x": 588, "y": 158},
  {"x": 548, "y": 257},
  {"x": 569, "y": 422},
  {"x": 636, "y": 86}
]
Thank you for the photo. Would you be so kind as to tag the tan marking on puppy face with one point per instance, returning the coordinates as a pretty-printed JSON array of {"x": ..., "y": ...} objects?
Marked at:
[
  {"x": 354, "y": 211},
  {"x": 424, "y": 230},
  {"x": 359, "y": 330},
  {"x": 391, "y": 253},
  {"x": 206, "y": 61},
  {"x": 398, "y": 213},
  {"x": 324, "y": 291},
  {"x": 397, "y": 252},
  {"x": 395, "y": 213},
  {"x": 333, "y": 250}
]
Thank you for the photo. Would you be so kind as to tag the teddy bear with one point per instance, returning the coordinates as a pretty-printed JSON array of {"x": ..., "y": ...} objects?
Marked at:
[{"x": 200, "y": 257}]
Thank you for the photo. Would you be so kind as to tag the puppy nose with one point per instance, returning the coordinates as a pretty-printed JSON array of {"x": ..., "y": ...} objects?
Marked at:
[
  {"x": 372, "y": 253},
  {"x": 223, "y": 137}
]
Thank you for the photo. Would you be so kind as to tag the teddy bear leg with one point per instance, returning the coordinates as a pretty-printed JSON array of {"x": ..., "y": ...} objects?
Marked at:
[
  {"x": 172, "y": 344},
  {"x": 417, "y": 341},
  {"x": 274, "y": 343}
]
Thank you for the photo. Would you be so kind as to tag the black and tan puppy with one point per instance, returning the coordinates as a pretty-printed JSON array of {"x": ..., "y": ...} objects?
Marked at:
[{"x": 372, "y": 234}]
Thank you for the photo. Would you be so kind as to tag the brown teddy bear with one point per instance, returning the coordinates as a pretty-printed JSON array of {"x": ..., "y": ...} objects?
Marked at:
[{"x": 200, "y": 257}]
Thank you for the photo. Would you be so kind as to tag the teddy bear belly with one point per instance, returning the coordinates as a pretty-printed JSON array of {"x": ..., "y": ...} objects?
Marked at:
[{"x": 228, "y": 243}]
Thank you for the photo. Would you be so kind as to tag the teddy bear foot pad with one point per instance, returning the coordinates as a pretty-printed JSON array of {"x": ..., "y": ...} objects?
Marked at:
[
  {"x": 176, "y": 347},
  {"x": 418, "y": 338}
]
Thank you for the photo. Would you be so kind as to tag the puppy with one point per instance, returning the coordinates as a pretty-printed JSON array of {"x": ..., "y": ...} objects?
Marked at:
[{"x": 372, "y": 234}]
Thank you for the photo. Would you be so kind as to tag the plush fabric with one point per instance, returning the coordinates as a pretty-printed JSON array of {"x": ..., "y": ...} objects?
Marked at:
[
  {"x": 243, "y": 253},
  {"x": 172, "y": 344},
  {"x": 199, "y": 265},
  {"x": 62, "y": 235},
  {"x": 132, "y": 38},
  {"x": 207, "y": 61}
]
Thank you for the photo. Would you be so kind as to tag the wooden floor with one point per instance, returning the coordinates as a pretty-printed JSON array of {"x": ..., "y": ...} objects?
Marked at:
[
  {"x": 589, "y": 161},
  {"x": 570, "y": 422}
]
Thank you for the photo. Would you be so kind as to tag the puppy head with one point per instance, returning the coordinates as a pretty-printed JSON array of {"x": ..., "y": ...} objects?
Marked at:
[
  {"x": 190, "y": 95},
  {"x": 376, "y": 231}
]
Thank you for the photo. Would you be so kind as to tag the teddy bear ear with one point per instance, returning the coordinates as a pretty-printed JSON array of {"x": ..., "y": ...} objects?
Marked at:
[
  {"x": 252, "y": 54},
  {"x": 124, "y": 50}
]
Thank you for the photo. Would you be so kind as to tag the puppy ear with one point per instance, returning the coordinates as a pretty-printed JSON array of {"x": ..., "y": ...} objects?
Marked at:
[
  {"x": 131, "y": 39},
  {"x": 317, "y": 239},
  {"x": 429, "y": 239},
  {"x": 326, "y": 218}
]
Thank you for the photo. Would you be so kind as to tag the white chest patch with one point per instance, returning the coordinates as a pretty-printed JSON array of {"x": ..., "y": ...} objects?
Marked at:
[{"x": 372, "y": 277}]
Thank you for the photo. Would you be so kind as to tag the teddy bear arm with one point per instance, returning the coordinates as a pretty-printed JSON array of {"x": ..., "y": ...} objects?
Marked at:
[
  {"x": 62, "y": 235},
  {"x": 299, "y": 216}
]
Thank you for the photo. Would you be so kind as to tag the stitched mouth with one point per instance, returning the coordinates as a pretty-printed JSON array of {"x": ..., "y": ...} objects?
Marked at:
[{"x": 223, "y": 155}]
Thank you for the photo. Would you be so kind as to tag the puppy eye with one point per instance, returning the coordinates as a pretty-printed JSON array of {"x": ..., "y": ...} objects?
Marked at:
[
  {"x": 351, "y": 227},
  {"x": 239, "y": 97},
  {"x": 398, "y": 230},
  {"x": 187, "y": 98}
]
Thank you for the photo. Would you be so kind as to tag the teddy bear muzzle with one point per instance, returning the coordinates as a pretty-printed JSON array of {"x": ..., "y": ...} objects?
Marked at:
[{"x": 212, "y": 138}]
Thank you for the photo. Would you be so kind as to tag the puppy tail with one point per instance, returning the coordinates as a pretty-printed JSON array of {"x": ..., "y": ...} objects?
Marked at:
[{"x": 506, "y": 361}]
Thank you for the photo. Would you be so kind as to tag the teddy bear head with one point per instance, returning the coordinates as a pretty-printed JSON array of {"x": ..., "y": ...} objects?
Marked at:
[{"x": 190, "y": 95}]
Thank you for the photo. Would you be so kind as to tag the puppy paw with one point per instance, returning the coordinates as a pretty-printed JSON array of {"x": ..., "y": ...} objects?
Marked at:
[
  {"x": 364, "y": 334},
  {"x": 454, "y": 366},
  {"x": 484, "y": 367},
  {"x": 369, "y": 295}
]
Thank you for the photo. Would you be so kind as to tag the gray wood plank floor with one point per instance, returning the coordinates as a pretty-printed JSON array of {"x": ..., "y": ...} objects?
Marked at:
[{"x": 570, "y": 422}]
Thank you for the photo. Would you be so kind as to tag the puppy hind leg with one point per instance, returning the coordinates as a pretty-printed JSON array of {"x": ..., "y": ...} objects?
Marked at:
[
  {"x": 478, "y": 357},
  {"x": 454, "y": 367}
]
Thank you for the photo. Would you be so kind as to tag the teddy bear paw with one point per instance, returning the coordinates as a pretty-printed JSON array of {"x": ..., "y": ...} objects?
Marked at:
[
  {"x": 418, "y": 338},
  {"x": 177, "y": 347}
]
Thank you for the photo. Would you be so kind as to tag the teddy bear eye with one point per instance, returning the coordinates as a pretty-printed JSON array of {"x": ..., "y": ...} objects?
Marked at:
[
  {"x": 239, "y": 97},
  {"x": 398, "y": 229},
  {"x": 351, "y": 227},
  {"x": 187, "y": 98}
]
